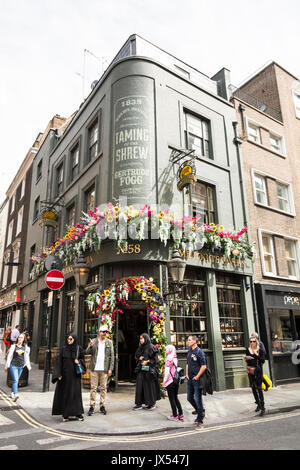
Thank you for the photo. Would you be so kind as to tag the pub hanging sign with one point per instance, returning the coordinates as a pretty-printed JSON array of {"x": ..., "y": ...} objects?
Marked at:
[{"x": 186, "y": 175}]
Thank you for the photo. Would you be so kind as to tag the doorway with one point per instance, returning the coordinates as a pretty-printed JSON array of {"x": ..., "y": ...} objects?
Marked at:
[{"x": 132, "y": 323}]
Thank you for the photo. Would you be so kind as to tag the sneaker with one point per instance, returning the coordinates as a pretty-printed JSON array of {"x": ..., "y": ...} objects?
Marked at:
[
  {"x": 91, "y": 411},
  {"x": 16, "y": 397},
  {"x": 150, "y": 407},
  {"x": 12, "y": 395},
  {"x": 80, "y": 418},
  {"x": 199, "y": 425},
  {"x": 257, "y": 409},
  {"x": 137, "y": 407},
  {"x": 102, "y": 410},
  {"x": 173, "y": 418},
  {"x": 65, "y": 420},
  {"x": 262, "y": 412},
  {"x": 181, "y": 417}
]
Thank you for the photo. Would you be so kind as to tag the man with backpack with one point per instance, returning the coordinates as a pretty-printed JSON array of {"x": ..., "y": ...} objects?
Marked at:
[{"x": 195, "y": 368}]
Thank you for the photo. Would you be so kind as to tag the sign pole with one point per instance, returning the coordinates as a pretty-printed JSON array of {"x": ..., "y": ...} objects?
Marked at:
[
  {"x": 54, "y": 280},
  {"x": 47, "y": 364}
]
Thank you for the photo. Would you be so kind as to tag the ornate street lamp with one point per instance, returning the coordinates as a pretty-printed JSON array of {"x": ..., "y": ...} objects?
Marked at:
[
  {"x": 176, "y": 267},
  {"x": 81, "y": 272}
]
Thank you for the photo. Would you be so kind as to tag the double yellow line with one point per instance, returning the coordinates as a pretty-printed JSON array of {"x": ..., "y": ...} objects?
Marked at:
[{"x": 175, "y": 435}]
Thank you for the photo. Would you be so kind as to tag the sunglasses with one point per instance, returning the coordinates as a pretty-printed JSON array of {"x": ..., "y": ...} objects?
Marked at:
[{"x": 252, "y": 341}]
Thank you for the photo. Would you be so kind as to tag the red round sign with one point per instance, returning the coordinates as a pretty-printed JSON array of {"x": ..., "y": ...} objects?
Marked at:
[{"x": 54, "y": 279}]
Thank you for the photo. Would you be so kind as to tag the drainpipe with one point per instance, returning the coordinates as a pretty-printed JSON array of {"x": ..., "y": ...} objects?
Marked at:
[{"x": 237, "y": 141}]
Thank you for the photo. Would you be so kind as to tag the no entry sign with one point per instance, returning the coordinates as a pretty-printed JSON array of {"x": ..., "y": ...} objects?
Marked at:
[{"x": 54, "y": 279}]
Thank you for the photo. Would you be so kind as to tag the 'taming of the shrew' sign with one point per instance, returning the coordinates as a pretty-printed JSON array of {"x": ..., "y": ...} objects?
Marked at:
[{"x": 133, "y": 138}]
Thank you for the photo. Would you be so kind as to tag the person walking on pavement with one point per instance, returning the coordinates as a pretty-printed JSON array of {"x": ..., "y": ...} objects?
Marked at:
[
  {"x": 14, "y": 334},
  {"x": 67, "y": 397},
  {"x": 172, "y": 388},
  {"x": 262, "y": 347},
  {"x": 255, "y": 357},
  {"x": 147, "y": 390},
  {"x": 196, "y": 366},
  {"x": 18, "y": 357},
  {"x": 6, "y": 340},
  {"x": 101, "y": 366}
]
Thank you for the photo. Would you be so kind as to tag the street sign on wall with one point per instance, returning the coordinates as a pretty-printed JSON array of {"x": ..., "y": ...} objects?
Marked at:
[{"x": 54, "y": 279}]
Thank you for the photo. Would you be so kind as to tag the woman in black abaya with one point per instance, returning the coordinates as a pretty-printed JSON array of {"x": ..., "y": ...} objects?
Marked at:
[
  {"x": 67, "y": 398},
  {"x": 147, "y": 385}
]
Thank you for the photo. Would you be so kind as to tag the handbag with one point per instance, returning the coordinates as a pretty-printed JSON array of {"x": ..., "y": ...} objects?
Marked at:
[
  {"x": 251, "y": 370},
  {"x": 145, "y": 368},
  {"x": 79, "y": 367}
]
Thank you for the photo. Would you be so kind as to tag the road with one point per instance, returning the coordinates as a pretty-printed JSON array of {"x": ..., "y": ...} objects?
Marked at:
[{"x": 19, "y": 431}]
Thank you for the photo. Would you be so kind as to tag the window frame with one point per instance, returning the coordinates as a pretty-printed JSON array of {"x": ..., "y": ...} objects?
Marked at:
[
  {"x": 270, "y": 253},
  {"x": 296, "y": 95},
  {"x": 201, "y": 120},
  {"x": 253, "y": 125},
  {"x": 256, "y": 190},
  {"x": 214, "y": 200},
  {"x": 294, "y": 259},
  {"x": 39, "y": 170}
]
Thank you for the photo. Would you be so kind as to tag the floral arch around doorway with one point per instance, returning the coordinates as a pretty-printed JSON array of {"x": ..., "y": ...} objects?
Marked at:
[{"x": 114, "y": 300}]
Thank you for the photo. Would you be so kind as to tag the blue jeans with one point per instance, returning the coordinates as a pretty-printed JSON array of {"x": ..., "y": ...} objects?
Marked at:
[
  {"x": 15, "y": 373},
  {"x": 194, "y": 396}
]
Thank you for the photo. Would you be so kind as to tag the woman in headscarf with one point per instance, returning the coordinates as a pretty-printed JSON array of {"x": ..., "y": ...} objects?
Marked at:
[
  {"x": 171, "y": 364},
  {"x": 147, "y": 384},
  {"x": 67, "y": 398}
]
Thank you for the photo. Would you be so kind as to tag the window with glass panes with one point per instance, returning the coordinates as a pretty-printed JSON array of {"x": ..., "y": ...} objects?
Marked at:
[
  {"x": 283, "y": 197},
  {"x": 74, "y": 162},
  {"x": 59, "y": 178},
  {"x": 70, "y": 287},
  {"x": 203, "y": 202},
  {"x": 90, "y": 326},
  {"x": 291, "y": 257},
  {"x": 269, "y": 254},
  {"x": 188, "y": 311},
  {"x": 197, "y": 133},
  {"x": 230, "y": 312},
  {"x": 260, "y": 189},
  {"x": 90, "y": 199},
  {"x": 93, "y": 141},
  {"x": 71, "y": 215}
]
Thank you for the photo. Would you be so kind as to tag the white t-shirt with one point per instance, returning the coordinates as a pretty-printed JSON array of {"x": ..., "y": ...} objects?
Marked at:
[{"x": 100, "y": 357}]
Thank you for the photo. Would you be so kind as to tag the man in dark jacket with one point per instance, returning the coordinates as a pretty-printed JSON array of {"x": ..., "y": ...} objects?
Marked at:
[{"x": 196, "y": 366}]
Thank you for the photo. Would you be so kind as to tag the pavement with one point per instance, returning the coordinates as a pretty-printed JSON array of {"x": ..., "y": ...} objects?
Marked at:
[{"x": 221, "y": 408}]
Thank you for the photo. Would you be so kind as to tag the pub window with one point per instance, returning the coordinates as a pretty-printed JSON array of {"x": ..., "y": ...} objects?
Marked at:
[
  {"x": 188, "y": 312},
  {"x": 197, "y": 135},
  {"x": 93, "y": 133},
  {"x": 71, "y": 215},
  {"x": 59, "y": 179},
  {"x": 39, "y": 170},
  {"x": 74, "y": 163},
  {"x": 89, "y": 203},
  {"x": 36, "y": 208},
  {"x": 230, "y": 312},
  {"x": 70, "y": 314},
  {"x": 203, "y": 202}
]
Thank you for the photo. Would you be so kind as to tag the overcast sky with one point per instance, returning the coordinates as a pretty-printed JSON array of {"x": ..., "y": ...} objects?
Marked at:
[{"x": 42, "y": 46}]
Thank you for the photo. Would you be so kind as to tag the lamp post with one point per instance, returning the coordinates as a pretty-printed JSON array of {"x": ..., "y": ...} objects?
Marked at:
[
  {"x": 81, "y": 274},
  {"x": 176, "y": 268}
]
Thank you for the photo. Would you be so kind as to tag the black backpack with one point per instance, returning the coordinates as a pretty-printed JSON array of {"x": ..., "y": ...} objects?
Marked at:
[{"x": 178, "y": 377}]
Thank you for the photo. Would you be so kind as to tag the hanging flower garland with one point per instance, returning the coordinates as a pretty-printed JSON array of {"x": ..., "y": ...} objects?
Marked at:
[
  {"x": 115, "y": 300},
  {"x": 113, "y": 223}
]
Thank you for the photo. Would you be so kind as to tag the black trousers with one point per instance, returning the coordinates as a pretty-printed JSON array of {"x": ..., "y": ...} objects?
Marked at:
[
  {"x": 255, "y": 383},
  {"x": 172, "y": 390}
]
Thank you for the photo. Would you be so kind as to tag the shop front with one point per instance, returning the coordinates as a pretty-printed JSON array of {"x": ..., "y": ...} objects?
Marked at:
[{"x": 279, "y": 308}]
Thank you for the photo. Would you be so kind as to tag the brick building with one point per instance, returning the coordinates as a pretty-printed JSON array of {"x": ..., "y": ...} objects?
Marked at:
[
  {"x": 14, "y": 235},
  {"x": 268, "y": 110}
]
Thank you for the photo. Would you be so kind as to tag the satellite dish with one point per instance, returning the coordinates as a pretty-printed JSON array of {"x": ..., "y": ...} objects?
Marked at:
[{"x": 53, "y": 262}]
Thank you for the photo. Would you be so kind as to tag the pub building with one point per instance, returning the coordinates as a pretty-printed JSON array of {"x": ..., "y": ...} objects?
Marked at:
[{"x": 142, "y": 121}]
